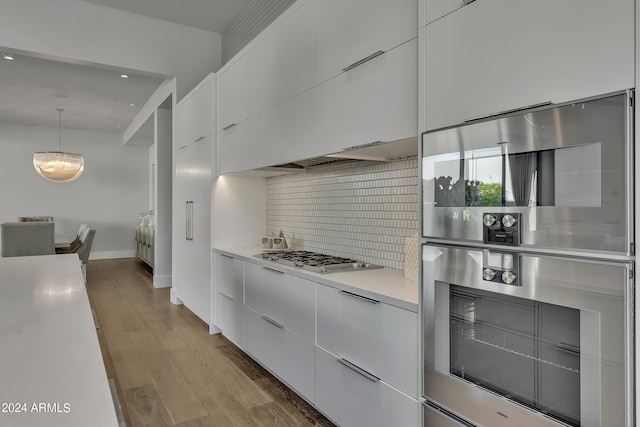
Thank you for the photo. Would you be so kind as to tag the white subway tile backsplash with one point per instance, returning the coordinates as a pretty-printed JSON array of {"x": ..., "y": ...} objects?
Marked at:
[{"x": 362, "y": 210}]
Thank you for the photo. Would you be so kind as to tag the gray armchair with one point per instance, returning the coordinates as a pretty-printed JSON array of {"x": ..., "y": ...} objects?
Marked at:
[
  {"x": 27, "y": 238},
  {"x": 86, "y": 240}
]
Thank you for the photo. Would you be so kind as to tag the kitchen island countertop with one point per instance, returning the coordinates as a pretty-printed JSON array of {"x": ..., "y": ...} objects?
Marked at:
[
  {"x": 51, "y": 367},
  {"x": 387, "y": 285}
]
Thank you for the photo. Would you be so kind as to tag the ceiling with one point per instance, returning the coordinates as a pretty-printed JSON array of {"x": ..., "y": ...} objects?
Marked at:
[
  {"x": 211, "y": 15},
  {"x": 94, "y": 98}
]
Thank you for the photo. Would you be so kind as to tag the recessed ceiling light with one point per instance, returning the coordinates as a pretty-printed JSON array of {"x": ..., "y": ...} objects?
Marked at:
[
  {"x": 118, "y": 126},
  {"x": 132, "y": 105},
  {"x": 8, "y": 56},
  {"x": 124, "y": 76}
]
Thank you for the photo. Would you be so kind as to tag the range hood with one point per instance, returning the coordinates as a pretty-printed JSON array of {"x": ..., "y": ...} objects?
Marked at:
[{"x": 378, "y": 151}]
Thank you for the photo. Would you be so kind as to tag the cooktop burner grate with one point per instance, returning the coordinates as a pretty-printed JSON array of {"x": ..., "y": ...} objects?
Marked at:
[{"x": 317, "y": 262}]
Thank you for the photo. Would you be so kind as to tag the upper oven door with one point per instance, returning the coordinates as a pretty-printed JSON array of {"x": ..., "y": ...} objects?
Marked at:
[{"x": 565, "y": 170}]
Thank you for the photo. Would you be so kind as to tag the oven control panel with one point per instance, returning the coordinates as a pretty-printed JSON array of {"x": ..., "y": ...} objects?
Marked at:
[
  {"x": 501, "y": 267},
  {"x": 501, "y": 228}
]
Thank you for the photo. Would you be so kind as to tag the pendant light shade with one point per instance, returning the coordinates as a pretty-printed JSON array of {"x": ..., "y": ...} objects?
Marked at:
[{"x": 57, "y": 166}]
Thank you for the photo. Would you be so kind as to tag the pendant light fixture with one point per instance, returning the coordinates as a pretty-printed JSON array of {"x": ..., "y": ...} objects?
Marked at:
[{"x": 57, "y": 166}]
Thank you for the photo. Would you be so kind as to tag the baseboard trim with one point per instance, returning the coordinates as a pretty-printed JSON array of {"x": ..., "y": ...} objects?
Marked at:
[{"x": 112, "y": 254}]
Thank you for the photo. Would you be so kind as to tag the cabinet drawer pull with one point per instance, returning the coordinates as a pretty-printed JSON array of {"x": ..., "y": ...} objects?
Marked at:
[
  {"x": 356, "y": 368},
  {"x": 229, "y": 126},
  {"x": 360, "y": 297},
  {"x": 183, "y": 147},
  {"x": 226, "y": 296},
  {"x": 273, "y": 322},
  {"x": 272, "y": 270},
  {"x": 226, "y": 256},
  {"x": 363, "y": 60},
  {"x": 514, "y": 110},
  {"x": 199, "y": 139},
  {"x": 466, "y": 2}
]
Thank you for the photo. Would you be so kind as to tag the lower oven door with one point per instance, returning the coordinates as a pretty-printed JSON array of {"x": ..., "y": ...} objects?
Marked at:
[{"x": 553, "y": 347}]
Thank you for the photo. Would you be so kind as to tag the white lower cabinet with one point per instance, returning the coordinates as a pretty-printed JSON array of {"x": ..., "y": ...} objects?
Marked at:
[
  {"x": 228, "y": 297},
  {"x": 378, "y": 337},
  {"x": 351, "y": 356},
  {"x": 279, "y": 325},
  {"x": 352, "y": 399}
]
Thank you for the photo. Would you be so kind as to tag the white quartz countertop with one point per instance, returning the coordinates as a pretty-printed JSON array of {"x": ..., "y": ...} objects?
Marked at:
[
  {"x": 383, "y": 284},
  {"x": 51, "y": 368}
]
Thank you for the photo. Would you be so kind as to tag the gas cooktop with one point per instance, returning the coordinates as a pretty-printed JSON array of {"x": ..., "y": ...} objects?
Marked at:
[{"x": 312, "y": 261}]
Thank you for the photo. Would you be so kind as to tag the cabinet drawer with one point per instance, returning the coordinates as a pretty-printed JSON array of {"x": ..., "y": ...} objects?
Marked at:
[
  {"x": 288, "y": 300},
  {"x": 434, "y": 418},
  {"x": 287, "y": 355},
  {"x": 378, "y": 337},
  {"x": 229, "y": 276},
  {"x": 228, "y": 317},
  {"x": 351, "y": 399}
]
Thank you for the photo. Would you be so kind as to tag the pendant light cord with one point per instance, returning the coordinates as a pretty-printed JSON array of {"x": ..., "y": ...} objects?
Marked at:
[{"x": 60, "y": 110}]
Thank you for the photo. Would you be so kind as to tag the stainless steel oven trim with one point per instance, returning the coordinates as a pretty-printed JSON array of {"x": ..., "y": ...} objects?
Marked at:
[{"x": 435, "y": 379}]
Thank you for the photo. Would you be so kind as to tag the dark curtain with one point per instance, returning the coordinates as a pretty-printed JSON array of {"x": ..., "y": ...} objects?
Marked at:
[{"x": 523, "y": 167}]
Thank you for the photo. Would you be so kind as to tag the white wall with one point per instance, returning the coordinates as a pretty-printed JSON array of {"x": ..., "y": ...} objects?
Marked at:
[
  {"x": 75, "y": 31},
  {"x": 110, "y": 193}
]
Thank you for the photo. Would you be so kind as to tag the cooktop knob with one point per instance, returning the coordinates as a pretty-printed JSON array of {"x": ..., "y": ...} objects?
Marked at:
[
  {"x": 488, "y": 274},
  {"x": 488, "y": 220},
  {"x": 508, "y": 220}
]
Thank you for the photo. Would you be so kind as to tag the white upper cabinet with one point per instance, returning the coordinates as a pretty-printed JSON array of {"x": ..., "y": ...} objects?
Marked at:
[
  {"x": 195, "y": 114},
  {"x": 430, "y": 10},
  {"x": 284, "y": 133},
  {"x": 373, "y": 102},
  {"x": 493, "y": 56},
  {"x": 279, "y": 66},
  {"x": 352, "y": 30}
]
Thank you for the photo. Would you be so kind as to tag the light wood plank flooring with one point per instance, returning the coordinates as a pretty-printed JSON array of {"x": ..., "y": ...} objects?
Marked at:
[{"x": 169, "y": 371}]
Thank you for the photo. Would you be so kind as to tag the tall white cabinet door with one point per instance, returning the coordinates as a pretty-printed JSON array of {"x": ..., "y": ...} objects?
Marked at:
[
  {"x": 192, "y": 227},
  {"x": 375, "y": 102},
  {"x": 355, "y": 29},
  {"x": 492, "y": 56}
]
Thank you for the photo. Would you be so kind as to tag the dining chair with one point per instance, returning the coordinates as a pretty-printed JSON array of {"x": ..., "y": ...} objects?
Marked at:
[{"x": 27, "y": 238}]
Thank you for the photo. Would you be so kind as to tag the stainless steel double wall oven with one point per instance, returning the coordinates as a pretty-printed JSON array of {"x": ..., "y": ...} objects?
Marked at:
[{"x": 527, "y": 278}]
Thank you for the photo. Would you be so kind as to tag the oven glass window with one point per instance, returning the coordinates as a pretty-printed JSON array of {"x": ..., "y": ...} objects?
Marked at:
[
  {"x": 526, "y": 351},
  {"x": 568, "y": 176}
]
